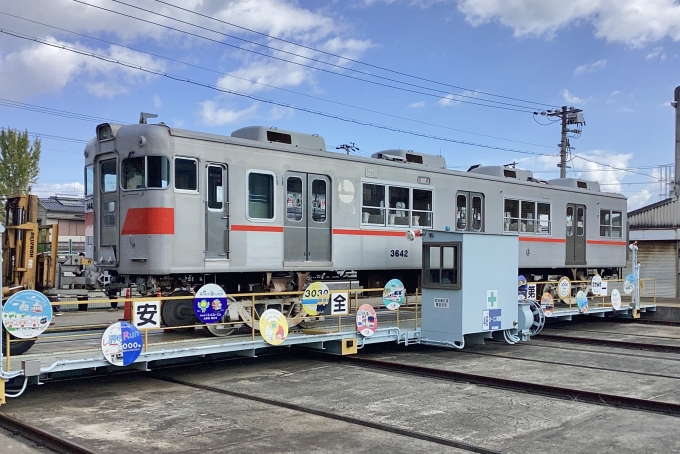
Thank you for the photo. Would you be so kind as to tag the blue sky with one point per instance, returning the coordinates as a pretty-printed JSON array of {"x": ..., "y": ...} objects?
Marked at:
[{"x": 617, "y": 60}]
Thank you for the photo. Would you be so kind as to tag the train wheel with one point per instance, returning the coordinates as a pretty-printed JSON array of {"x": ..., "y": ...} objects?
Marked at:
[
  {"x": 539, "y": 318},
  {"x": 223, "y": 330},
  {"x": 15, "y": 348},
  {"x": 179, "y": 312}
]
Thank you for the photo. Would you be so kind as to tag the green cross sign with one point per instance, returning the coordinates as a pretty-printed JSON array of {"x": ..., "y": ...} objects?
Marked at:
[{"x": 491, "y": 298}]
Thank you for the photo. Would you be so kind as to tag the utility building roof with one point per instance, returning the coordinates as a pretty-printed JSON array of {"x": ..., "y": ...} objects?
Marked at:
[
  {"x": 63, "y": 204},
  {"x": 660, "y": 215}
]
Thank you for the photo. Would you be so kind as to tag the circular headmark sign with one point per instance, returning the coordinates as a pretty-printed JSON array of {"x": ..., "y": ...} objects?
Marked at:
[
  {"x": 273, "y": 327},
  {"x": 564, "y": 287},
  {"x": 27, "y": 314},
  {"x": 582, "y": 301},
  {"x": 394, "y": 294},
  {"x": 547, "y": 304},
  {"x": 616, "y": 300},
  {"x": 210, "y": 303},
  {"x": 367, "y": 321},
  {"x": 122, "y": 343},
  {"x": 315, "y": 299}
]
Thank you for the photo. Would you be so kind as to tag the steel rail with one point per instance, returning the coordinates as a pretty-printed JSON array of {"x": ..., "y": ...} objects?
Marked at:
[
  {"x": 610, "y": 343},
  {"x": 590, "y": 397},
  {"x": 334, "y": 416},
  {"x": 41, "y": 437}
]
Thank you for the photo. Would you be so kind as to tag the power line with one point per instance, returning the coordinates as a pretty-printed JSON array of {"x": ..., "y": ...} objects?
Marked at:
[
  {"x": 274, "y": 87},
  {"x": 50, "y": 136},
  {"x": 263, "y": 100},
  {"x": 56, "y": 112},
  {"x": 455, "y": 97},
  {"x": 347, "y": 58}
]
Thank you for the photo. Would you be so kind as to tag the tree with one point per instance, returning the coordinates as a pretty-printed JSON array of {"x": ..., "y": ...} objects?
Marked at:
[{"x": 19, "y": 163}]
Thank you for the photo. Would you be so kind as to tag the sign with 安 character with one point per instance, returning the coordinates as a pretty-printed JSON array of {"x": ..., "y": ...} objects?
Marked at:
[
  {"x": 146, "y": 314},
  {"x": 339, "y": 304}
]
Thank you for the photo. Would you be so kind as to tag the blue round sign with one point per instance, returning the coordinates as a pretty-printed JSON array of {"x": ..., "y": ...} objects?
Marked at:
[
  {"x": 27, "y": 314},
  {"x": 210, "y": 303},
  {"x": 394, "y": 294},
  {"x": 582, "y": 301},
  {"x": 122, "y": 343}
]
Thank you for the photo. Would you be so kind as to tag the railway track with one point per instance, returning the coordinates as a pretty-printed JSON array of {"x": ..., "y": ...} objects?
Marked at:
[
  {"x": 591, "y": 397},
  {"x": 41, "y": 437},
  {"x": 330, "y": 415},
  {"x": 609, "y": 343}
]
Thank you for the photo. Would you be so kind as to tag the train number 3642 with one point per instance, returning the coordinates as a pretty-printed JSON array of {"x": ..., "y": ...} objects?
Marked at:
[{"x": 398, "y": 252}]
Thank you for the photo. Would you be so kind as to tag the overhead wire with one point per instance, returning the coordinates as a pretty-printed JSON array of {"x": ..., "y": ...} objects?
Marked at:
[
  {"x": 56, "y": 112},
  {"x": 275, "y": 87},
  {"x": 263, "y": 100},
  {"x": 347, "y": 58},
  {"x": 454, "y": 97}
]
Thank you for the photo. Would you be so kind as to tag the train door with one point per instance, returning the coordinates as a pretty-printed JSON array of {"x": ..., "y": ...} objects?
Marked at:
[
  {"x": 216, "y": 212},
  {"x": 307, "y": 225},
  {"x": 469, "y": 211},
  {"x": 576, "y": 234},
  {"x": 109, "y": 210}
]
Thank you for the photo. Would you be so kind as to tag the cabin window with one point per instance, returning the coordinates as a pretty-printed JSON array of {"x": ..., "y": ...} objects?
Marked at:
[
  {"x": 260, "y": 196},
  {"x": 477, "y": 213},
  {"x": 108, "y": 175},
  {"x": 400, "y": 199},
  {"x": 89, "y": 180},
  {"x": 157, "y": 171},
  {"x": 186, "y": 174},
  {"x": 215, "y": 188},
  {"x": 580, "y": 221},
  {"x": 461, "y": 212},
  {"x": 611, "y": 224},
  {"x": 441, "y": 266},
  {"x": 373, "y": 205},
  {"x": 422, "y": 208},
  {"x": 407, "y": 207},
  {"x": 145, "y": 172}
]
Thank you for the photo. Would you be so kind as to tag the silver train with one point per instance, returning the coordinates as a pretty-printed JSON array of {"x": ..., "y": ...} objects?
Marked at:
[{"x": 171, "y": 209}]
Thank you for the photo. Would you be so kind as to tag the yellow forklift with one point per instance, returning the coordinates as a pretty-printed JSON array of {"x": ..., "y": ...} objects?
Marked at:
[{"x": 30, "y": 260}]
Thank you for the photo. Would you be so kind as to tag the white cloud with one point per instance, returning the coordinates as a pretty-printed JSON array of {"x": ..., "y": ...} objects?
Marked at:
[
  {"x": 416, "y": 105},
  {"x": 613, "y": 97},
  {"x": 453, "y": 99},
  {"x": 632, "y": 22},
  {"x": 588, "y": 68},
  {"x": 572, "y": 99},
  {"x": 639, "y": 199},
  {"x": 280, "y": 113},
  {"x": 607, "y": 175},
  {"x": 624, "y": 109},
  {"x": 213, "y": 115},
  {"x": 656, "y": 53},
  {"x": 157, "y": 102},
  {"x": 45, "y": 69},
  {"x": 47, "y": 190}
]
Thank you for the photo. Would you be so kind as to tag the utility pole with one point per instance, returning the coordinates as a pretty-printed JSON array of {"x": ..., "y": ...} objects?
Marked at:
[
  {"x": 676, "y": 182},
  {"x": 569, "y": 116}
]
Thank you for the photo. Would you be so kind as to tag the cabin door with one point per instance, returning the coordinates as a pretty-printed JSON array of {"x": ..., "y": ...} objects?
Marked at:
[
  {"x": 216, "y": 213},
  {"x": 307, "y": 232},
  {"x": 576, "y": 234},
  {"x": 109, "y": 213}
]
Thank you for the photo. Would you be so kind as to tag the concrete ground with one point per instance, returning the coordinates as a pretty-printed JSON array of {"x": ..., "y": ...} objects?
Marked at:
[
  {"x": 140, "y": 413},
  {"x": 17, "y": 445}
]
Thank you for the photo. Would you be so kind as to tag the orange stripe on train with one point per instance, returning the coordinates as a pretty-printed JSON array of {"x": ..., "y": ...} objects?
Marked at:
[{"x": 149, "y": 221}]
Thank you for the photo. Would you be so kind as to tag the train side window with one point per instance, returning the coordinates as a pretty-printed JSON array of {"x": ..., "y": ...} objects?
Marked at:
[
  {"x": 89, "y": 180},
  {"x": 511, "y": 217},
  {"x": 611, "y": 224},
  {"x": 108, "y": 175},
  {"x": 373, "y": 204},
  {"x": 543, "y": 217},
  {"x": 260, "y": 196},
  {"x": 422, "y": 208},
  {"x": 580, "y": 221},
  {"x": 441, "y": 266},
  {"x": 294, "y": 199},
  {"x": 477, "y": 213},
  {"x": 528, "y": 212},
  {"x": 319, "y": 201},
  {"x": 133, "y": 173},
  {"x": 158, "y": 172},
  {"x": 399, "y": 199},
  {"x": 186, "y": 174},
  {"x": 461, "y": 212}
]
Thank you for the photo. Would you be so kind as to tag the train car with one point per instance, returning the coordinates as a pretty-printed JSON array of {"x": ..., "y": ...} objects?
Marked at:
[{"x": 170, "y": 209}]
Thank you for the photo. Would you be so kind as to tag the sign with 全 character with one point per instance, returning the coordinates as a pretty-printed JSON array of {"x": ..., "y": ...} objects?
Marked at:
[
  {"x": 339, "y": 304},
  {"x": 146, "y": 314}
]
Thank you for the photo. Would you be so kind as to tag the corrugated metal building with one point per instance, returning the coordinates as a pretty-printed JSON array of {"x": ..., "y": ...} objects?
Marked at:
[
  {"x": 69, "y": 213},
  {"x": 656, "y": 228}
]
